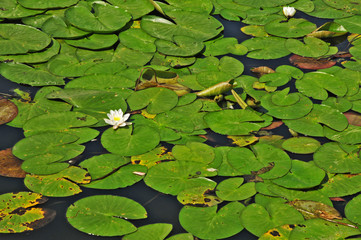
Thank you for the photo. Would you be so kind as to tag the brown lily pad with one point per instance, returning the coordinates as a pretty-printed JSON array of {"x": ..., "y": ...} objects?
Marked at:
[
  {"x": 10, "y": 166},
  {"x": 8, "y": 111},
  {"x": 353, "y": 118},
  {"x": 311, "y": 63}
]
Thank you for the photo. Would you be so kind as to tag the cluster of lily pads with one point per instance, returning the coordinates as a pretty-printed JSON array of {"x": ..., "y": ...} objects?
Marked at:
[{"x": 164, "y": 63}]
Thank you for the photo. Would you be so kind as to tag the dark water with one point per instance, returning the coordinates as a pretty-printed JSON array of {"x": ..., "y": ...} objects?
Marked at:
[{"x": 161, "y": 208}]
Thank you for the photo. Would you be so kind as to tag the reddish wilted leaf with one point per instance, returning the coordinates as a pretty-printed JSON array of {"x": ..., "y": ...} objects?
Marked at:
[
  {"x": 262, "y": 70},
  {"x": 337, "y": 199},
  {"x": 10, "y": 166},
  {"x": 353, "y": 118},
  {"x": 273, "y": 125},
  {"x": 342, "y": 55},
  {"x": 311, "y": 63},
  {"x": 8, "y": 111}
]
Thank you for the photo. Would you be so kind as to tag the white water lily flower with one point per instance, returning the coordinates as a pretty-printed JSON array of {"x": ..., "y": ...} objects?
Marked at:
[
  {"x": 289, "y": 11},
  {"x": 117, "y": 119}
]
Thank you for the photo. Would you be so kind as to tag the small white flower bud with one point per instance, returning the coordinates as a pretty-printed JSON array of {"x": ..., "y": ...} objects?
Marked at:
[{"x": 289, "y": 11}]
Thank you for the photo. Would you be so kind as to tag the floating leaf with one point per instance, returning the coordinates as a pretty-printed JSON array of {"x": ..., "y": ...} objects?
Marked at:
[
  {"x": 8, "y": 111},
  {"x": 312, "y": 209},
  {"x": 198, "y": 196},
  {"x": 258, "y": 220},
  {"x": 175, "y": 176},
  {"x": 233, "y": 189},
  {"x": 58, "y": 27},
  {"x": 136, "y": 8},
  {"x": 320, "y": 114},
  {"x": 321, "y": 229},
  {"x": 137, "y": 39},
  {"x": 181, "y": 236},
  {"x": 21, "y": 73},
  {"x": 191, "y": 24},
  {"x": 311, "y": 63},
  {"x": 18, "y": 39},
  {"x": 13, "y": 10},
  {"x": 156, "y": 100},
  {"x": 352, "y": 210},
  {"x": 312, "y": 47},
  {"x": 208, "y": 223},
  {"x": 341, "y": 185},
  {"x": 156, "y": 231},
  {"x": 266, "y": 47},
  {"x": 94, "y": 41},
  {"x": 33, "y": 4},
  {"x": 106, "y": 219},
  {"x": 293, "y": 28},
  {"x": 280, "y": 233},
  {"x": 337, "y": 158},
  {"x": 302, "y": 175},
  {"x": 194, "y": 151},
  {"x": 131, "y": 140},
  {"x": 182, "y": 46},
  {"x": 19, "y": 215},
  {"x": 44, "y": 164},
  {"x": 10, "y": 166},
  {"x": 102, "y": 17},
  {"x": 62, "y": 184},
  {"x": 301, "y": 145},
  {"x": 350, "y": 135}
]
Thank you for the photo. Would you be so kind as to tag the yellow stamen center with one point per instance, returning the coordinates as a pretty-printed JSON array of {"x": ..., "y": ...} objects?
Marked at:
[{"x": 116, "y": 118}]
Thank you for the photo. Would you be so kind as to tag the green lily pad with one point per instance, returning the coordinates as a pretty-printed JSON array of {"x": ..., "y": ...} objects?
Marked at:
[
  {"x": 181, "y": 236},
  {"x": 312, "y": 47},
  {"x": 196, "y": 25},
  {"x": 20, "y": 39},
  {"x": 102, "y": 18},
  {"x": 62, "y": 184},
  {"x": 175, "y": 176},
  {"x": 94, "y": 41},
  {"x": 21, "y": 73},
  {"x": 322, "y": 10},
  {"x": 352, "y": 24},
  {"x": 106, "y": 219},
  {"x": 182, "y": 46},
  {"x": 266, "y": 47},
  {"x": 352, "y": 210},
  {"x": 350, "y": 135},
  {"x": 156, "y": 100},
  {"x": 318, "y": 84},
  {"x": 19, "y": 215},
  {"x": 282, "y": 105},
  {"x": 348, "y": 5},
  {"x": 233, "y": 189},
  {"x": 293, "y": 28},
  {"x": 56, "y": 143},
  {"x": 59, "y": 27},
  {"x": 101, "y": 81},
  {"x": 137, "y": 8},
  {"x": 44, "y": 164},
  {"x": 321, "y": 229},
  {"x": 337, "y": 158},
  {"x": 258, "y": 219},
  {"x": 222, "y": 46},
  {"x": 102, "y": 165},
  {"x": 234, "y": 122},
  {"x": 131, "y": 140},
  {"x": 302, "y": 175},
  {"x": 119, "y": 178},
  {"x": 83, "y": 101},
  {"x": 137, "y": 39},
  {"x": 275, "y": 79},
  {"x": 260, "y": 3},
  {"x": 311, "y": 124},
  {"x": 34, "y": 57},
  {"x": 62, "y": 122},
  {"x": 40, "y": 105},
  {"x": 301, "y": 145},
  {"x": 33, "y": 4},
  {"x": 208, "y": 223},
  {"x": 341, "y": 185},
  {"x": 194, "y": 151},
  {"x": 11, "y": 9},
  {"x": 156, "y": 231}
]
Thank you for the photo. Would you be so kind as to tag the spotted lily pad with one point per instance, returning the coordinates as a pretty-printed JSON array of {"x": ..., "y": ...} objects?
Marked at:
[
  {"x": 106, "y": 219},
  {"x": 62, "y": 184},
  {"x": 19, "y": 215},
  {"x": 208, "y": 223},
  {"x": 258, "y": 219},
  {"x": 338, "y": 158},
  {"x": 350, "y": 135}
]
